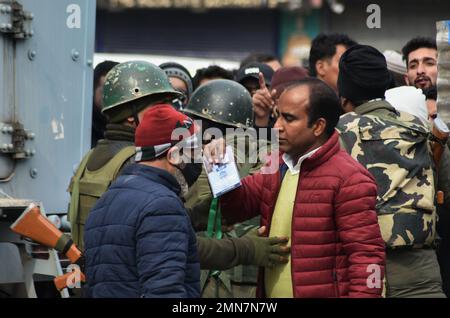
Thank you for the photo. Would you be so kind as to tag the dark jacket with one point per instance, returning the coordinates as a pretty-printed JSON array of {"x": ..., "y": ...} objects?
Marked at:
[
  {"x": 335, "y": 233},
  {"x": 139, "y": 241}
]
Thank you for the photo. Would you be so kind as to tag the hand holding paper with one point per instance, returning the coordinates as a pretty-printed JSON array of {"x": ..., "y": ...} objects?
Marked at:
[{"x": 224, "y": 176}]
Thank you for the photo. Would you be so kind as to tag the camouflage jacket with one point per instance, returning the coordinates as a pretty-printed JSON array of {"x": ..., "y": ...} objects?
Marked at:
[{"x": 394, "y": 147}]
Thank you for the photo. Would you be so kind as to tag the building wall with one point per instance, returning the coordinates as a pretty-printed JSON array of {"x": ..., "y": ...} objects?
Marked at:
[
  {"x": 233, "y": 33},
  {"x": 230, "y": 34},
  {"x": 401, "y": 20}
]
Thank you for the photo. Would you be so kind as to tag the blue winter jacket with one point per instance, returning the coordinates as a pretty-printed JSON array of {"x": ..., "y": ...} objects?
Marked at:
[{"x": 139, "y": 241}]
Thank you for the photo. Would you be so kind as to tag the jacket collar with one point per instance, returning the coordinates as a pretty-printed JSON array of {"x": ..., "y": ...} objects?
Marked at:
[
  {"x": 373, "y": 105},
  {"x": 293, "y": 166},
  {"x": 325, "y": 152},
  {"x": 119, "y": 132},
  {"x": 156, "y": 175}
]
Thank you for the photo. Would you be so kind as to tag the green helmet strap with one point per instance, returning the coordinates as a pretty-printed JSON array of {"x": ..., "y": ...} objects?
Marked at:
[{"x": 135, "y": 115}]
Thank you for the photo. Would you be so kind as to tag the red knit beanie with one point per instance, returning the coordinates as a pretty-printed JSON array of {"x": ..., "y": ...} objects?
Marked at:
[{"x": 154, "y": 135}]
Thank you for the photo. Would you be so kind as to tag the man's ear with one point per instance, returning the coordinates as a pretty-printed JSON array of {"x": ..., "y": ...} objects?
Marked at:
[
  {"x": 174, "y": 156},
  {"x": 319, "y": 127},
  {"x": 130, "y": 120},
  {"x": 320, "y": 68}
]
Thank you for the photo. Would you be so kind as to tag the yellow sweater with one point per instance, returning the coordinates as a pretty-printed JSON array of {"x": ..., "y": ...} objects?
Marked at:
[{"x": 278, "y": 279}]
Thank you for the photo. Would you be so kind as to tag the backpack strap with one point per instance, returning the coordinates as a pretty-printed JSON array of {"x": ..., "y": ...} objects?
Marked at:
[{"x": 120, "y": 158}]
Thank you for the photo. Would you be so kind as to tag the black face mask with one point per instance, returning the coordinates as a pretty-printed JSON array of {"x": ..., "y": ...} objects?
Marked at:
[
  {"x": 181, "y": 101},
  {"x": 191, "y": 172}
]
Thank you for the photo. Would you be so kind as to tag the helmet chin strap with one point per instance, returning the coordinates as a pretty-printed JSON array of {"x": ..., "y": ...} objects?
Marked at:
[{"x": 135, "y": 115}]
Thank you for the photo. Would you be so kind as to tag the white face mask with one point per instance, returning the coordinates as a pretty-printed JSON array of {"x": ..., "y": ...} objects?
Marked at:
[{"x": 182, "y": 181}]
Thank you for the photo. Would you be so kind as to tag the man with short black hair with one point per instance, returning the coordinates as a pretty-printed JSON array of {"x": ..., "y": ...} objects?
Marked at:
[
  {"x": 328, "y": 213},
  {"x": 212, "y": 72},
  {"x": 420, "y": 55},
  {"x": 267, "y": 59},
  {"x": 99, "y": 121},
  {"x": 326, "y": 50}
]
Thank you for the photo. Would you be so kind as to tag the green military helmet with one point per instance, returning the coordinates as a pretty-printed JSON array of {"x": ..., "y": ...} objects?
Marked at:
[
  {"x": 130, "y": 86},
  {"x": 222, "y": 101}
]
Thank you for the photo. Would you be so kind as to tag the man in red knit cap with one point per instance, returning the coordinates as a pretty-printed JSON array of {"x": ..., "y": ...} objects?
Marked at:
[
  {"x": 139, "y": 241},
  {"x": 141, "y": 225}
]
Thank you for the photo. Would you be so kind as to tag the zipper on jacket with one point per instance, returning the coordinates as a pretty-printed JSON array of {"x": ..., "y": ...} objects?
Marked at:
[
  {"x": 335, "y": 283},
  {"x": 335, "y": 276}
]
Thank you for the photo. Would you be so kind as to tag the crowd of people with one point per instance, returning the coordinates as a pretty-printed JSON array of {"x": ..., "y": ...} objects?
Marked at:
[{"x": 357, "y": 205}]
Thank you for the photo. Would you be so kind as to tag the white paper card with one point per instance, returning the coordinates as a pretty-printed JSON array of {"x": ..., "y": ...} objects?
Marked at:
[{"x": 223, "y": 177}]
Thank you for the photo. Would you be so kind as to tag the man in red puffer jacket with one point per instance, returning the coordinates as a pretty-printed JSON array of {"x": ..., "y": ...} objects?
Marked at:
[{"x": 320, "y": 197}]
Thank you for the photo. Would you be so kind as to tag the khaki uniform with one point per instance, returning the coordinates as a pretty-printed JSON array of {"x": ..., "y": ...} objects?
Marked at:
[
  {"x": 98, "y": 169},
  {"x": 240, "y": 281}
]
